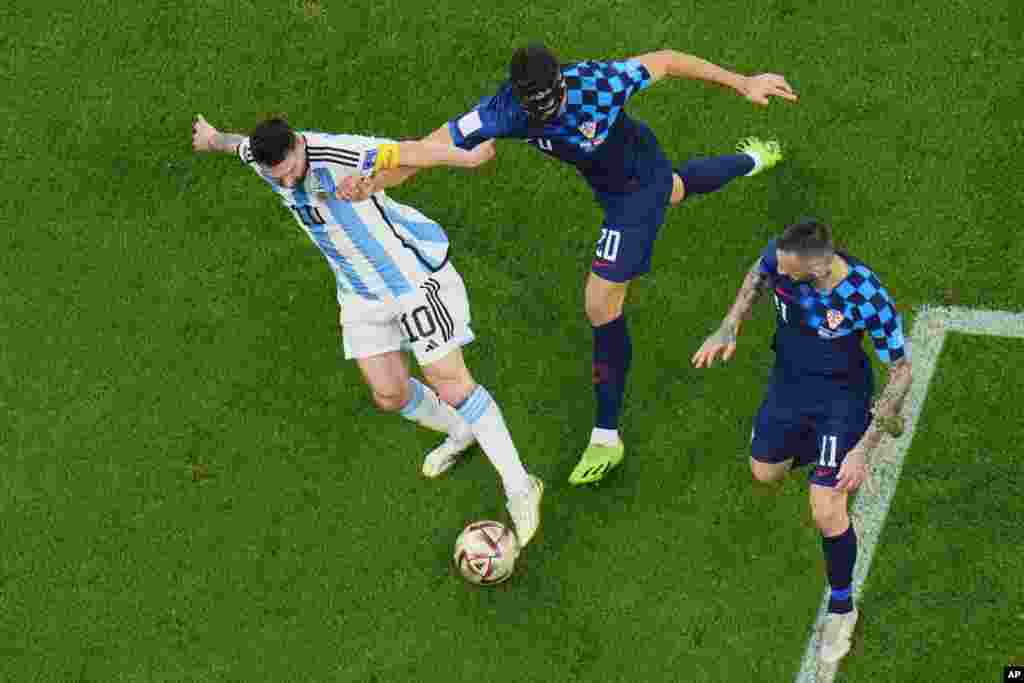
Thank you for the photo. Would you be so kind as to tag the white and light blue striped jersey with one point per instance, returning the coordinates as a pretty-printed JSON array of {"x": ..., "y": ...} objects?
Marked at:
[{"x": 378, "y": 248}]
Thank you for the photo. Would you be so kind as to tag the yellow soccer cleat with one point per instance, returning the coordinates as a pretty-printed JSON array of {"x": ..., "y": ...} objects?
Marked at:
[
  {"x": 766, "y": 153},
  {"x": 596, "y": 462}
]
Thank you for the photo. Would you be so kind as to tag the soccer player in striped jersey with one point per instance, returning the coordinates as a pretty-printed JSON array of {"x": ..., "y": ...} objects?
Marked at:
[
  {"x": 817, "y": 410},
  {"x": 576, "y": 113},
  {"x": 396, "y": 287}
]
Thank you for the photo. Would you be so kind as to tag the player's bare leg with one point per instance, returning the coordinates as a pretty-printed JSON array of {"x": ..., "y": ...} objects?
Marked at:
[
  {"x": 395, "y": 390},
  {"x": 450, "y": 378},
  {"x": 387, "y": 376},
  {"x": 768, "y": 475},
  {"x": 604, "y": 301},
  {"x": 453, "y": 382},
  {"x": 678, "y": 189},
  {"x": 839, "y": 541}
]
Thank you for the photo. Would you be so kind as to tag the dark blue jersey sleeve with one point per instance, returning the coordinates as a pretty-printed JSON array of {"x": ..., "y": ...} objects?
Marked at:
[
  {"x": 498, "y": 116},
  {"x": 769, "y": 260}
]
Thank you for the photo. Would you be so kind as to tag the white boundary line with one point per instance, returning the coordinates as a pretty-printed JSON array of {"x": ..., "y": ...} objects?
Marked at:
[{"x": 930, "y": 327}]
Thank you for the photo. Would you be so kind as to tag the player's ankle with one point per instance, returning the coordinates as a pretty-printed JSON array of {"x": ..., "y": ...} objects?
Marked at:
[{"x": 605, "y": 437}]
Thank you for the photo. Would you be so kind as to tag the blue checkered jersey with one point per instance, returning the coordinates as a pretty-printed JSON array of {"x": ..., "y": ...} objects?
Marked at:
[
  {"x": 592, "y": 131},
  {"x": 820, "y": 334}
]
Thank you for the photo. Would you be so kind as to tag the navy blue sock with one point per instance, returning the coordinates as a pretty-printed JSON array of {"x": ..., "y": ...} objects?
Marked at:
[
  {"x": 701, "y": 176},
  {"x": 613, "y": 352},
  {"x": 840, "y": 556}
]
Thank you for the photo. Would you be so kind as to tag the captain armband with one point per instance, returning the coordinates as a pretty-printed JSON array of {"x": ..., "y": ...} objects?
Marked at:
[{"x": 380, "y": 159}]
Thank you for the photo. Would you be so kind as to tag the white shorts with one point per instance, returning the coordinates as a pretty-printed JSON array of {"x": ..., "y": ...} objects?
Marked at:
[{"x": 432, "y": 321}]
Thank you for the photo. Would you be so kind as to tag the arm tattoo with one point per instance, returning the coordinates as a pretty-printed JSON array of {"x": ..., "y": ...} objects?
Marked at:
[
  {"x": 887, "y": 408},
  {"x": 754, "y": 284}
]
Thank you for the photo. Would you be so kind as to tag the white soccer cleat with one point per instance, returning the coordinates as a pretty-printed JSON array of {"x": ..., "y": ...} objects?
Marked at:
[
  {"x": 441, "y": 459},
  {"x": 524, "y": 509},
  {"x": 836, "y": 636}
]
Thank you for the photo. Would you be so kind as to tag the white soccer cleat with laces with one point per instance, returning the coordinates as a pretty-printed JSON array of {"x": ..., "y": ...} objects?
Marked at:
[
  {"x": 524, "y": 509},
  {"x": 442, "y": 458},
  {"x": 837, "y": 635}
]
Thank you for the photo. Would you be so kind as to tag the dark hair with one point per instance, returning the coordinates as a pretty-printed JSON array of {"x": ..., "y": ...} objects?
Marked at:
[
  {"x": 809, "y": 236},
  {"x": 271, "y": 141},
  {"x": 533, "y": 68},
  {"x": 537, "y": 83}
]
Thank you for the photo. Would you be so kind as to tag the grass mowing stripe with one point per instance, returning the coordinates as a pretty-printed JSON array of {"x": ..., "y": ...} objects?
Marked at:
[{"x": 869, "y": 511}]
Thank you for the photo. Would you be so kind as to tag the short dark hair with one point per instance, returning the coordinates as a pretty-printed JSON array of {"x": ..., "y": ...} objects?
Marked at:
[
  {"x": 271, "y": 141},
  {"x": 533, "y": 68},
  {"x": 809, "y": 236}
]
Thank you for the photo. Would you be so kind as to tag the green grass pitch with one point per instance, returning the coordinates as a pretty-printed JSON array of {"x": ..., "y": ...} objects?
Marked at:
[{"x": 195, "y": 487}]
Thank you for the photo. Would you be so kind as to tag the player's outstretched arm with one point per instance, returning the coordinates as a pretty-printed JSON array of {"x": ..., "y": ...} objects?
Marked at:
[
  {"x": 354, "y": 189},
  {"x": 723, "y": 341},
  {"x": 758, "y": 89},
  {"x": 206, "y": 138},
  {"x": 427, "y": 154}
]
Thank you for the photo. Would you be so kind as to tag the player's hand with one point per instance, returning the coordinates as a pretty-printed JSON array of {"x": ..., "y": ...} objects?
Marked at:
[
  {"x": 893, "y": 425},
  {"x": 854, "y": 471},
  {"x": 759, "y": 88},
  {"x": 481, "y": 154},
  {"x": 203, "y": 134},
  {"x": 721, "y": 342},
  {"x": 355, "y": 189}
]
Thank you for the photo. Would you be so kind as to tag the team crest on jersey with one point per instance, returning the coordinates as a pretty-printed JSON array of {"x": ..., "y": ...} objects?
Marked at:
[
  {"x": 834, "y": 318},
  {"x": 589, "y": 129},
  {"x": 369, "y": 163}
]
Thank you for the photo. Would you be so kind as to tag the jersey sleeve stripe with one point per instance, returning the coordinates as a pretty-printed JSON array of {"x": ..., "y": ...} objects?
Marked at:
[
  {"x": 340, "y": 151},
  {"x": 332, "y": 159}
]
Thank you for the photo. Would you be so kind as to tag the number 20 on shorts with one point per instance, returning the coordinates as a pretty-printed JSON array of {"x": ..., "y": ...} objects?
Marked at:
[{"x": 608, "y": 244}]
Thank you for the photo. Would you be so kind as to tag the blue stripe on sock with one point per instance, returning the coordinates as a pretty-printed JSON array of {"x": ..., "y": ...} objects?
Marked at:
[
  {"x": 475, "y": 406},
  {"x": 841, "y": 594},
  {"x": 417, "y": 397}
]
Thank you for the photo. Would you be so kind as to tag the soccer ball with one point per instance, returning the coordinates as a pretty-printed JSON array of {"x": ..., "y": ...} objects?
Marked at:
[{"x": 486, "y": 552}]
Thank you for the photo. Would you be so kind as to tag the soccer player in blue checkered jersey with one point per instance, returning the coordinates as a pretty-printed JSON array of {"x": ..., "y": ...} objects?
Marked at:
[
  {"x": 575, "y": 112},
  {"x": 397, "y": 289},
  {"x": 817, "y": 410}
]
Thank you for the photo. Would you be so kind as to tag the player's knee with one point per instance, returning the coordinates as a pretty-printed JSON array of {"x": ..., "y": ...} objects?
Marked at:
[
  {"x": 602, "y": 310},
  {"x": 389, "y": 401},
  {"x": 455, "y": 392},
  {"x": 453, "y": 382},
  {"x": 831, "y": 520},
  {"x": 767, "y": 473}
]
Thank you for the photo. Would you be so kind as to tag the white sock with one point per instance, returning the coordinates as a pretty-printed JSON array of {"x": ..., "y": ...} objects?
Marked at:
[
  {"x": 426, "y": 409},
  {"x": 757, "y": 162},
  {"x": 605, "y": 437},
  {"x": 488, "y": 424}
]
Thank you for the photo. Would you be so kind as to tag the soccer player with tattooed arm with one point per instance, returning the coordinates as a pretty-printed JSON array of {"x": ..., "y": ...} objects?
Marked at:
[
  {"x": 575, "y": 112},
  {"x": 396, "y": 287},
  {"x": 817, "y": 409}
]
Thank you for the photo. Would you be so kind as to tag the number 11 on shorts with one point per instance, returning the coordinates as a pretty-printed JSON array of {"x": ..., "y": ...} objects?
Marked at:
[{"x": 828, "y": 448}]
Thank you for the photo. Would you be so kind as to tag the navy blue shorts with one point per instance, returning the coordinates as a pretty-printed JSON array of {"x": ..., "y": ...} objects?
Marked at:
[
  {"x": 631, "y": 223},
  {"x": 819, "y": 436}
]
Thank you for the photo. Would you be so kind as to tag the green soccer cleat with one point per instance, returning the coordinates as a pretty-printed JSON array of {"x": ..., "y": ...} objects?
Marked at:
[
  {"x": 767, "y": 153},
  {"x": 596, "y": 462}
]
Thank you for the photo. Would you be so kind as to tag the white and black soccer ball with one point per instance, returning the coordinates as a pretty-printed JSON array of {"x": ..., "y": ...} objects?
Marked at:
[{"x": 486, "y": 552}]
